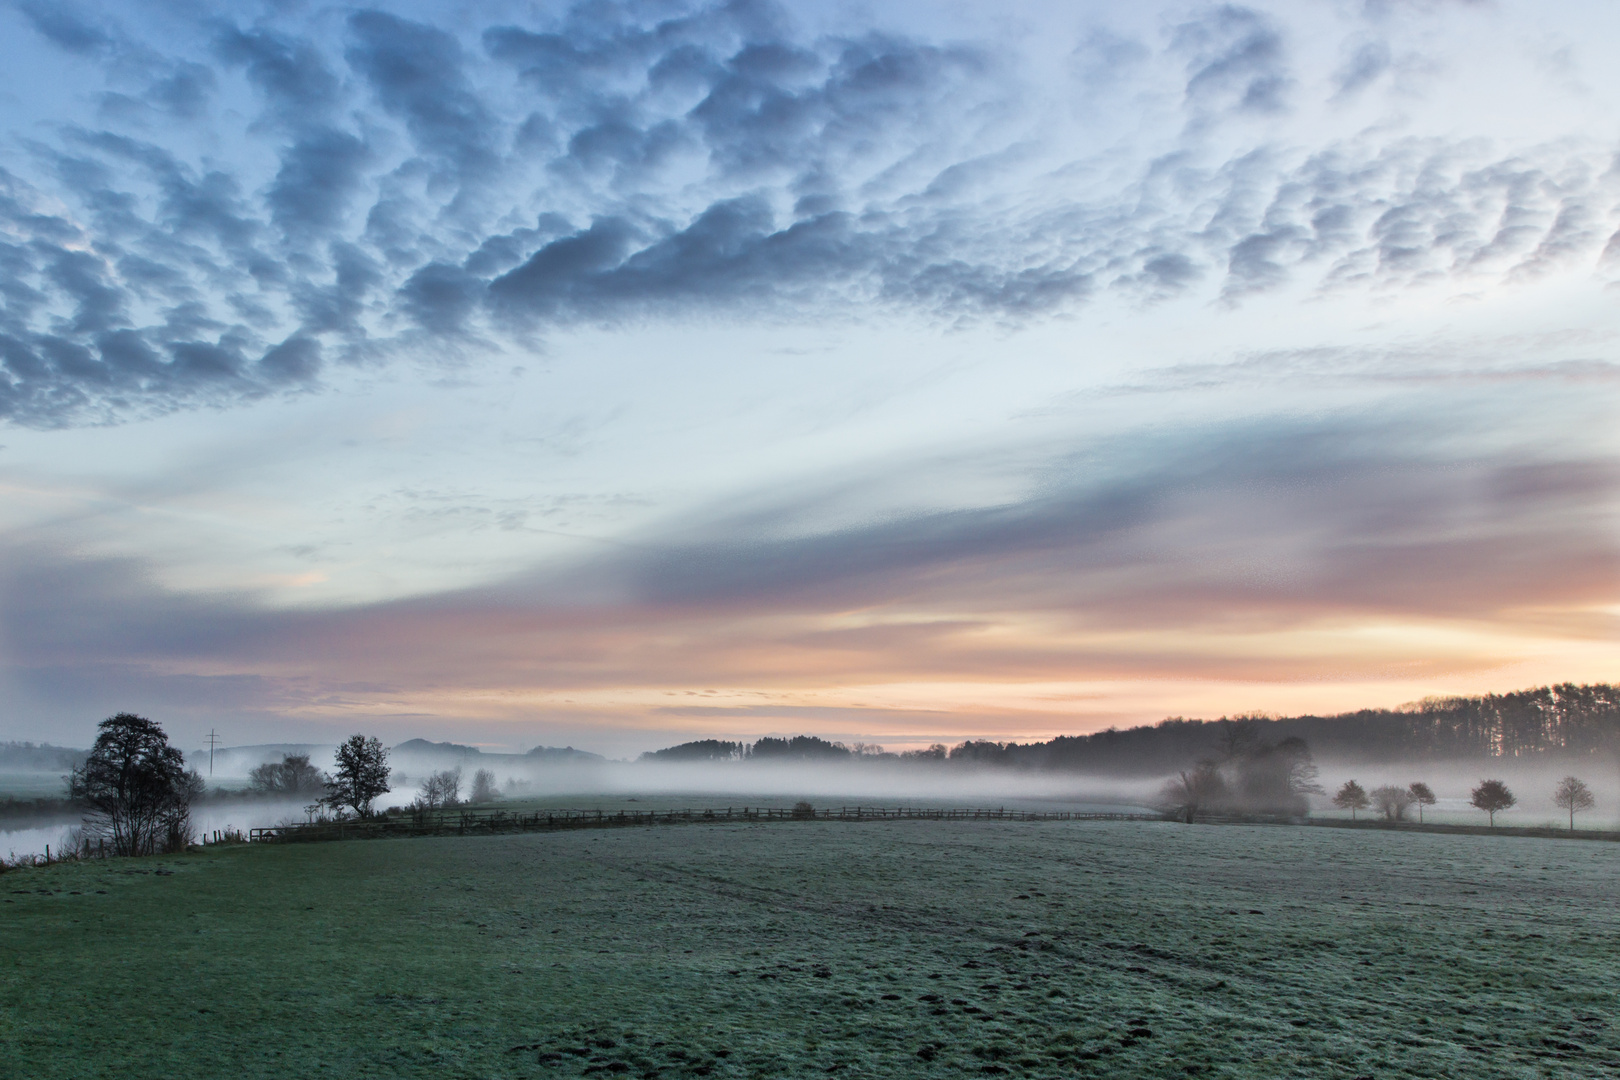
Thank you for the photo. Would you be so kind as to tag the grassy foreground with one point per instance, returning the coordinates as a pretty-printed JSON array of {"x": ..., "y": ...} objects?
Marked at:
[{"x": 901, "y": 949}]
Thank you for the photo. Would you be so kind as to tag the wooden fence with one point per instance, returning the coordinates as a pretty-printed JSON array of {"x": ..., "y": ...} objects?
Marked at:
[{"x": 484, "y": 821}]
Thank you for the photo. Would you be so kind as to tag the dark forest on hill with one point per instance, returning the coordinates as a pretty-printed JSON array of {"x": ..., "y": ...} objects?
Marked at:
[{"x": 1565, "y": 720}]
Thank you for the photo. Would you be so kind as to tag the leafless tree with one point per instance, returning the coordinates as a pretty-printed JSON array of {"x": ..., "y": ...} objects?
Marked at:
[
  {"x": 1574, "y": 796},
  {"x": 1193, "y": 791},
  {"x": 1492, "y": 796},
  {"x": 1351, "y": 797},
  {"x": 440, "y": 789},
  {"x": 1422, "y": 796},
  {"x": 1392, "y": 801}
]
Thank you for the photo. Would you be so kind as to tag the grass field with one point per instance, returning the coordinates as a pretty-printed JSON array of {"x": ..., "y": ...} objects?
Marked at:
[{"x": 904, "y": 949}]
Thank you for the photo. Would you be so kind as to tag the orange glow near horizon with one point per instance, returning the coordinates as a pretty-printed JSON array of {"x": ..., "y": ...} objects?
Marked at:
[{"x": 911, "y": 684}]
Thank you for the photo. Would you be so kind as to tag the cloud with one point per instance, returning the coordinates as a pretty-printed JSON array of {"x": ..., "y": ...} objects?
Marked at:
[
  {"x": 404, "y": 180},
  {"x": 65, "y": 28},
  {"x": 1236, "y": 60},
  {"x": 416, "y": 73},
  {"x": 1264, "y": 552}
]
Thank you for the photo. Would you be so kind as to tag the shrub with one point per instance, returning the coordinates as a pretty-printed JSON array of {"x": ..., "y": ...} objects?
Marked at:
[
  {"x": 483, "y": 787},
  {"x": 1392, "y": 801}
]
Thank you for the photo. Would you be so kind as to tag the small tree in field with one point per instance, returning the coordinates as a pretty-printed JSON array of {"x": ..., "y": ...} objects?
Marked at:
[
  {"x": 1574, "y": 796},
  {"x": 362, "y": 775},
  {"x": 483, "y": 788},
  {"x": 1392, "y": 801},
  {"x": 440, "y": 789},
  {"x": 136, "y": 787},
  {"x": 1351, "y": 797},
  {"x": 1422, "y": 796},
  {"x": 1492, "y": 796}
]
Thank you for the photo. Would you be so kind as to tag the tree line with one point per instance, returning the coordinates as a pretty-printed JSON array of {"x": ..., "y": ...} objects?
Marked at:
[
  {"x": 137, "y": 792},
  {"x": 1565, "y": 720},
  {"x": 1491, "y": 796}
]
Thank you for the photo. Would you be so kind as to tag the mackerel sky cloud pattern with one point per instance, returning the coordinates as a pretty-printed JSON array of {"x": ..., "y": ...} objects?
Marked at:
[{"x": 396, "y": 180}]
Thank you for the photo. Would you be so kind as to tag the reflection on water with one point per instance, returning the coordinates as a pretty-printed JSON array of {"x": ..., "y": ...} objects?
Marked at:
[{"x": 31, "y": 841}]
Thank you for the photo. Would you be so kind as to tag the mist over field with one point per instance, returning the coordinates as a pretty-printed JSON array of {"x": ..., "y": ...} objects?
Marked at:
[{"x": 567, "y": 778}]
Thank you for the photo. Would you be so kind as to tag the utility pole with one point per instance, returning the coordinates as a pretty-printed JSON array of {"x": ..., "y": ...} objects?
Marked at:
[{"x": 213, "y": 738}]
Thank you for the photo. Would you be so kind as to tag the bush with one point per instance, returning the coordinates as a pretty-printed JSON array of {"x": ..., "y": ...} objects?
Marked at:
[{"x": 483, "y": 787}]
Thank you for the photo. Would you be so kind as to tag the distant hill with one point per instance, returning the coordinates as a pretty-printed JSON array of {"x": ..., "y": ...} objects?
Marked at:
[
  {"x": 702, "y": 750},
  {"x": 39, "y": 757},
  {"x": 559, "y": 754},
  {"x": 437, "y": 749}
]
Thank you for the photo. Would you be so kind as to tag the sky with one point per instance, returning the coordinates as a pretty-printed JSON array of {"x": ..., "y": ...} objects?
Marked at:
[{"x": 617, "y": 374}]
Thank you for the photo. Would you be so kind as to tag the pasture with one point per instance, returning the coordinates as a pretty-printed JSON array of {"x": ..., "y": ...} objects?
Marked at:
[{"x": 798, "y": 949}]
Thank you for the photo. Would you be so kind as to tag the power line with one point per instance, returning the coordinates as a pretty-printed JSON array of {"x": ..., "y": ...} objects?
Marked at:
[{"x": 213, "y": 738}]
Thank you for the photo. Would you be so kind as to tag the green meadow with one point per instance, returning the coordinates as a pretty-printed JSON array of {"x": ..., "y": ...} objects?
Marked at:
[{"x": 799, "y": 949}]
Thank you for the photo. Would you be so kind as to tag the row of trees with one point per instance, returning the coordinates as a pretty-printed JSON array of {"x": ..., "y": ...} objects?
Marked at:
[
  {"x": 137, "y": 791},
  {"x": 1491, "y": 796},
  {"x": 442, "y": 790},
  {"x": 1391, "y": 801},
  {"x": 1567, "y": 720}
]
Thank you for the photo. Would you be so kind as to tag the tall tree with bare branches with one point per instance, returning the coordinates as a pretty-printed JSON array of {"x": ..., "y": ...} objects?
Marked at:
[{"x": 1574, "y": 796}]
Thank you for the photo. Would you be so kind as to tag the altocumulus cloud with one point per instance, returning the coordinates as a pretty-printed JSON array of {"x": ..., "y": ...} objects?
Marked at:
[{"x": 399, "y": 188}]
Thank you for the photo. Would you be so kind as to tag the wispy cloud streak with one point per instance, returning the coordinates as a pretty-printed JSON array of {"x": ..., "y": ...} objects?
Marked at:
[{"x": 1238, "y": 556}]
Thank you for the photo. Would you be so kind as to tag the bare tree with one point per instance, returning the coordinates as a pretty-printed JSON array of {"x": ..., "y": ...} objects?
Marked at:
[
  {"x": 1574, "y": 796},
  {"x": 136, "y": 787},
  {"x": 1351, "y": 797},
  {"x": 440, "y": 789},
  {"x": 361, "y": 777},
  {"x": 1492, "y": 796},
  {"x": 1193, "y": 791},
  {"x": 292, "y": 775},
  {"x": 483, "y": 787},
  {"x": 1422, "y": 796},
  {"x": 1392, "y": 801}
]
